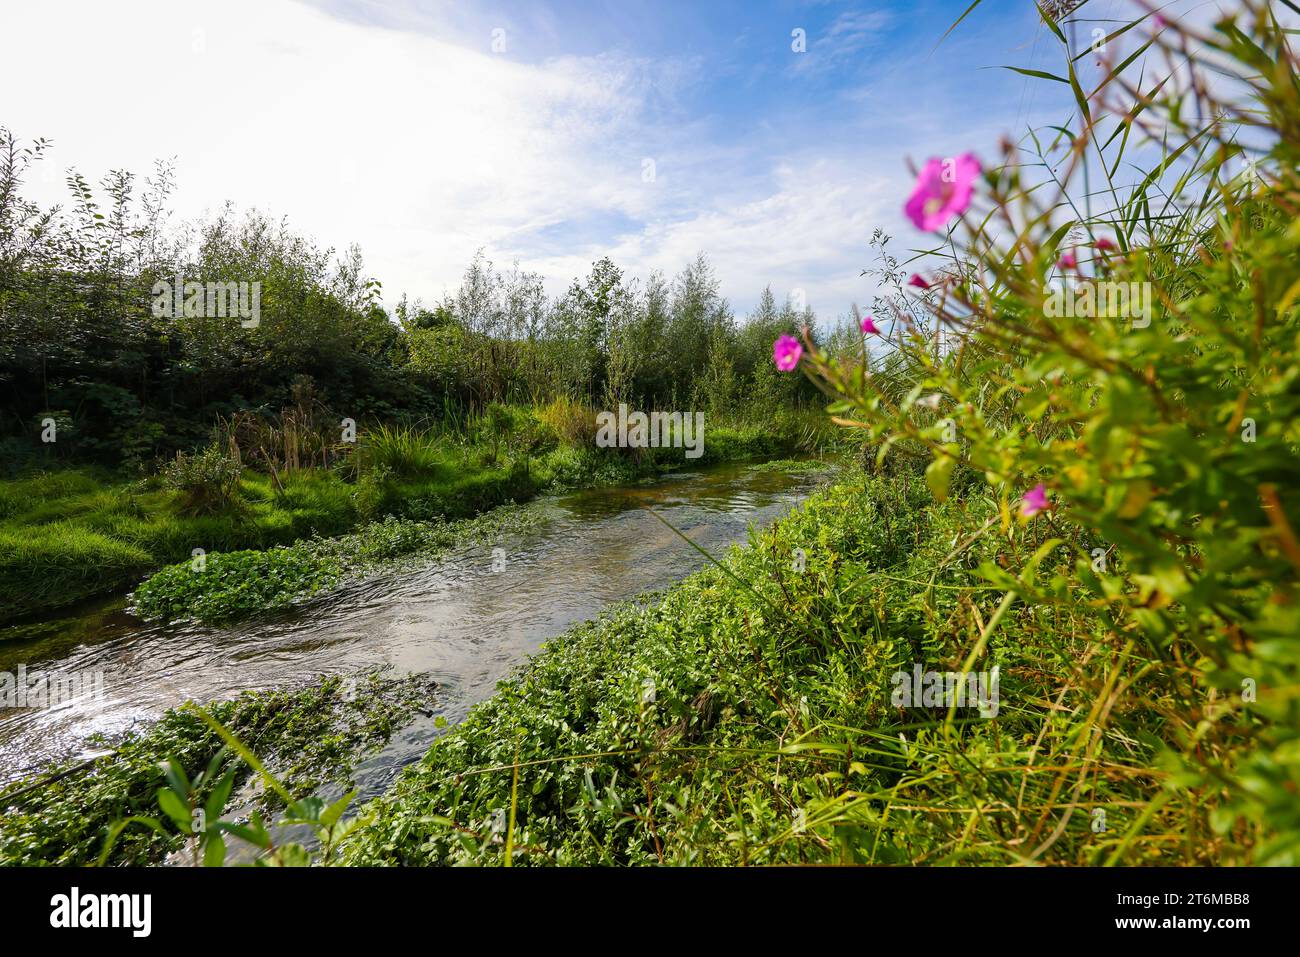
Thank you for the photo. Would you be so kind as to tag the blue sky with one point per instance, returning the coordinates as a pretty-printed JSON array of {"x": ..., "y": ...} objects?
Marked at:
[{"x": 401, "y": 127}]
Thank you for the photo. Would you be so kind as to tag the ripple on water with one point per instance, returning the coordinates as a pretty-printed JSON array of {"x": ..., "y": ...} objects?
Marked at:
[{"x": 455, "y": 619}]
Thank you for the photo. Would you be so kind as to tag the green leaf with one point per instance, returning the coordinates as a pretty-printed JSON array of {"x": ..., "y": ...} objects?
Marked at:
[
  {"x": 216, "y": 802},
  {"x": 1042, "y": 75},
  {"x": 957, "y": 23},
  {"x": 175, "y": 808},
  {"x": 253, "y": 832},
  {"x": 938, "y": 474},
  {"x": 331, "y": 815},
  {"x": 1051, "y": 24},
  {"x": 306, "y": 811},
  {"x": 292, "y": 855},
  {"x": 175, "y": 776},
  {"x": 214, "y": 851}
]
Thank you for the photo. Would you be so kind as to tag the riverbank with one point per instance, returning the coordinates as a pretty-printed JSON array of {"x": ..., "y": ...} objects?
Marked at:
[
  {"x": 308, "y": 737},
  {"x": 754, "y": 715},
  {"x": 457, "y": 621},
  {"x": 75, "y": 534}
]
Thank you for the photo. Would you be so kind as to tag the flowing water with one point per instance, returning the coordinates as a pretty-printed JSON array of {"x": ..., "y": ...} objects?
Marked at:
[{"x": 466, "y": 620}]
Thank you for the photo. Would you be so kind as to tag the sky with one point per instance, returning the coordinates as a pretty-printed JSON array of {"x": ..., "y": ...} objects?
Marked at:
[{"x": 544, "y": 132}]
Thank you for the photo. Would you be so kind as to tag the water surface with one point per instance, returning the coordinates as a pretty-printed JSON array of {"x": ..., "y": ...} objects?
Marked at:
[{"x": 466, "y": 620}]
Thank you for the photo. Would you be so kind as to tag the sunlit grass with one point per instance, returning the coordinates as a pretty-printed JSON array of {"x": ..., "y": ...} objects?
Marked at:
[{"x": 74, "y": 534}]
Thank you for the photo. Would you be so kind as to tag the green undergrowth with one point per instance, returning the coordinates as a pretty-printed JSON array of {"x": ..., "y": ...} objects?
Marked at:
[
  {"x": 69, "y": 536},
  {"x": 793, "y": 466},
  {"x": 746, "y": 717},
  {"x": 308, "y": 737},
  {"x": 76, "y": 534},
  {"x": 224, "y": 586}
]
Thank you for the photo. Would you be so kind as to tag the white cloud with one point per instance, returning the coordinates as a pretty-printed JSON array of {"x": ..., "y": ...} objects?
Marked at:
[
  {"x": 803, "y": 232},
  {"x": 850, "y": 35},
  {"x": 417, "y": 149},
  {"x": 423, "y": 149}
]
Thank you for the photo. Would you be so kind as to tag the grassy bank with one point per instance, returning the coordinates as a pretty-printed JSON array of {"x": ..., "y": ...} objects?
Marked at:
[
  {"x": 75, "y": 534},
  {"x": 71, "y": 535},
  {"x": 748, "y": 717}
]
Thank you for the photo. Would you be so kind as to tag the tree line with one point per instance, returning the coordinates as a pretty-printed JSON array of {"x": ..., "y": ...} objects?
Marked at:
[{"x": 81, "y": 347}]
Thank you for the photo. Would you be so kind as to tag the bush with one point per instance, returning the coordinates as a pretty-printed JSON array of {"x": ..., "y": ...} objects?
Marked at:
[
  {"x": 572, "y": 421},
  {"x": 398, "y": 451},
  {"x": 208, "y": 481},
  {"x": 1152, "y": 455}
]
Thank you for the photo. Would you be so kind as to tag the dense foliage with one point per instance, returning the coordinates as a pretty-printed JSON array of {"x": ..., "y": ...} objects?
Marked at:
[
  {"x": 1097, "y": 506},
  {"x": 1162, "y": 443},
  {"x": 90, "y": 371},
  {"x": 1109, "y": 519},
  {"x": 746, "y": 718},
  {"x": 232, "y": 584}
]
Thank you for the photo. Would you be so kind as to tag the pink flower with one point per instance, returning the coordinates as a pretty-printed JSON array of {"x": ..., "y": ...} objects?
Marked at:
[
  {"x": 943, "y": 190},
  {"x": 1104, "y": 244},
  {"x": 786, "y": 352},
  {"x": 1033, "y": 501},
  {"x": 1067, "y": 261},
  {"x": 918, "y": 281},
  {"x": 869, "y": 326}
]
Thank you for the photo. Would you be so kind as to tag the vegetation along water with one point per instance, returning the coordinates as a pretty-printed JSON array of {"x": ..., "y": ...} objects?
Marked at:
[{"x": 1002, "y": 570}]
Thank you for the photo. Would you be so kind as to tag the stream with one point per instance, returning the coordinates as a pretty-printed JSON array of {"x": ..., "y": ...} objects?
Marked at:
[{"x": 466, "y": 619}]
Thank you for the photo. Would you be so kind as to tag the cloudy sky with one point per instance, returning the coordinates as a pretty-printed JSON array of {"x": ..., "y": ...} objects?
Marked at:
[{"x": 551, "y": 132}]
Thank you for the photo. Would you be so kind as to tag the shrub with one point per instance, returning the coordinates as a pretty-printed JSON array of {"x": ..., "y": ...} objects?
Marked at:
[
  {"x": 572, "y": 421},
  {"x": 208, "y": 481},
  {"x": 398, "y": 451},
  {"x": 1153, "y": 457}
]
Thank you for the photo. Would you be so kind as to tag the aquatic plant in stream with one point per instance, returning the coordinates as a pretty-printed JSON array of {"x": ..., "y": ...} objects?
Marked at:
[
  {"x": 198, "y": 813},
  {"x": 308, "y": 737},
  {"x": 225, "y": 586}
]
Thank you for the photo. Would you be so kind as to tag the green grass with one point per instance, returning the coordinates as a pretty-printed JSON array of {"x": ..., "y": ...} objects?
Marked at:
[
  {"x": 77, "y": 534},
  {"x": 72, "y": 535},
  {"x": 792, "y": 466},
  {"x": 771, "y": 736},
  {"x": 745, "y": 716},
  {"x": 402, "y": 452}
]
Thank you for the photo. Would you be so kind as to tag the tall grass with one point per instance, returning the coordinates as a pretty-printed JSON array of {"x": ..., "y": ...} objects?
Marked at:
[
  {"x": 101, "y": 537},
  {"x": 401, "y": 451},
  {"x": 1143, "y": 622}
]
